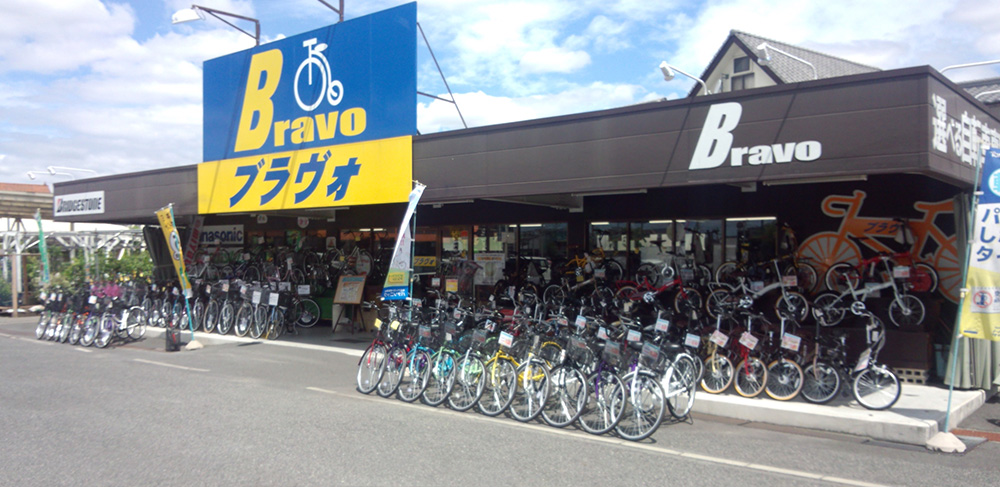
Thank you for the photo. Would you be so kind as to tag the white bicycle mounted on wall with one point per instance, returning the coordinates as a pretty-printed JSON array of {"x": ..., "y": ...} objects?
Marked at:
[{"x": 329, "y": 88}]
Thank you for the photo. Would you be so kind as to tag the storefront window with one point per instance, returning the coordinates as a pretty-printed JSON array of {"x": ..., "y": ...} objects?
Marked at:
[
  {"x": 612, "y": 239},
  {"x": 699, "y": 239},
  {"x": 494, "y": 246},
  {"x": 750, "y": 239},
  {"x": 425, "y": 250},
  {"x": 542, "y": 243},
  {"x": 653, "y": 240}
]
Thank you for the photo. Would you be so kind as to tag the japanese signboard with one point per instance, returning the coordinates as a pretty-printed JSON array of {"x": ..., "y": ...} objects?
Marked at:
[
  {"x": 320, "y": 119},
  {"x": 981, "y": 306}
]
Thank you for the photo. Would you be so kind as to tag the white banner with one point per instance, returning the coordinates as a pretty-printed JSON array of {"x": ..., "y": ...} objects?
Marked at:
[{"x": 397, "y": 282}]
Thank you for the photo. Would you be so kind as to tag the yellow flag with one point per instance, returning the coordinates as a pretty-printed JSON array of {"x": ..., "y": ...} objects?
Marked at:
[{"x": 166, "y": 216}]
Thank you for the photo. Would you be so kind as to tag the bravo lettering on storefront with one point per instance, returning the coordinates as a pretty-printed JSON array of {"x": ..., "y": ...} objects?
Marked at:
[
  {"x": 320, "y": 119},
  {"x": 716, "y": 143}
]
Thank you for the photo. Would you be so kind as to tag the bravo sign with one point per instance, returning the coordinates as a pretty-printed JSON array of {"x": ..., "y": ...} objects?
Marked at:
[{"x": 715, "y": 144}]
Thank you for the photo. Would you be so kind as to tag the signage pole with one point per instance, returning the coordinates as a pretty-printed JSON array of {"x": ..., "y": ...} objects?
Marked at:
[{"x": 969, "y": 234}]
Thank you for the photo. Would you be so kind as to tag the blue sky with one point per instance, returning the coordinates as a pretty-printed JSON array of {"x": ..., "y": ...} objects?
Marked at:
[{"x": 114, "y": 87}]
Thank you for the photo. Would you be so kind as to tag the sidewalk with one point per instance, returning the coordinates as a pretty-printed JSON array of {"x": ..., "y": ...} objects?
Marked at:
[{"x": 914, "y": 419}]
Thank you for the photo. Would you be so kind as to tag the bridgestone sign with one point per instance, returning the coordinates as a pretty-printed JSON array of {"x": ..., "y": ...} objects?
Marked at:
[{"x": 91, "y": 203}]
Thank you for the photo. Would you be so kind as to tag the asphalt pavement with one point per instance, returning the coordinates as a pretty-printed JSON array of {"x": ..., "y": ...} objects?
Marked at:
[{"x": 257, "y": 413}]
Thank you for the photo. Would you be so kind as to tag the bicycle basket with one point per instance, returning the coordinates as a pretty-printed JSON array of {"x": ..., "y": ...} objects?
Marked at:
[
  {"x": 479, "y": 337},
  {"x": 612, "y": 352}
]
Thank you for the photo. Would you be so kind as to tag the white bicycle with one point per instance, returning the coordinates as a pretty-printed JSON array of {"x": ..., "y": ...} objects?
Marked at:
[{"x": 329, "y": 88}]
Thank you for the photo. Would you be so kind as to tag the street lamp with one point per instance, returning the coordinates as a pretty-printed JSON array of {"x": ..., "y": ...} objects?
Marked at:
[
  {"x": 990, "y": 92},
  {"x": 766, "y": 48},
  {"x": 194, "y": 13},
  {"x": 52, "y": 170},
  {"x": 668, "y": 74},
  {"x": 969, "y": 65}
]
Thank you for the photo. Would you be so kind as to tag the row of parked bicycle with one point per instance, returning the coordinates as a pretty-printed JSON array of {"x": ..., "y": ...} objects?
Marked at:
[
  {"x": 785, "y": 285},
  {"x": 101, "y": 313},
  {"x": 618, "y": 368}
]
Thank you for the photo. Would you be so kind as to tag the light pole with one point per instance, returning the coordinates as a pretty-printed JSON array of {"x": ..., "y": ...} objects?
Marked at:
[
  {"x": 194, "y": 13},
  {"x": 969, "y": 65},
  {"x": 766, "y": 48},
  {"x": 52, "y": 170},
  {"x": 668, "y": 74}
]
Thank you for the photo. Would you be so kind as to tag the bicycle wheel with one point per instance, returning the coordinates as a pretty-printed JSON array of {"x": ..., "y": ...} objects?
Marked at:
[
  {"x": 567, "y": 397},
  {"x": 687, "y": 300},
  {"x": 842, "y": 276},
  {"x": 244, "y": 317},
  {"x": 605, "y": 403},
  {"x": 726, "y": 273},
  {"x": 792, "y": 304},
  {"x": 226, "y": 318},
  {"x": 876, "y": 387},
  {"x": 924, "y": 278},
  {"x": 106, "y": 330},
  {"x": 679, "y": 385},
  {"x": 784, "y": 380},
  {"x": 751, "y": 377},
  {"x": 259, "y": 321},
  {"x": 613, "y": 270},
  {"x": 211, "y": 316},
  {"x": 820, "y": 383},
  {"x": 75, "y": 332},
  {"x": 649, "y": 273},
  {"x": 275, "y": 325},
  {"x": 718, "y": 374},
  {"x": 469, "y": 384},
  {"x": 531, "y": 391},
  {"x": 198, "y": 315},
  {"x": 89, "y": 331},
  {"x": 906, "y": 310},
  {"x": 500, "y": 379},
  {"x": 717, "y": 302},
  {"x": 444, "y": 368},
  {"x": 135, "y": 324},
  {"x": 413, "y": 378},
  {"x": 395, "y": 362},
  {"x": 828, "y": 309},
  {"x": 806, "y": 276},
  {"x": 554, "y": 294},
  {"x": 644, "y": 406},
  {"x": 308, "y": 312},
  {"x": 370, "y": 368},
  {"x": 43, "y": 323}
]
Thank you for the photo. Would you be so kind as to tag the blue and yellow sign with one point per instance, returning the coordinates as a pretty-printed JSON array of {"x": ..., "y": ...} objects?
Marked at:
[{"x": 314, "y": 120}]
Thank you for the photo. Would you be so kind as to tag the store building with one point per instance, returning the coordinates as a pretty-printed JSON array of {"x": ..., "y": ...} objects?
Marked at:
[{"x": 842, "y": 159}]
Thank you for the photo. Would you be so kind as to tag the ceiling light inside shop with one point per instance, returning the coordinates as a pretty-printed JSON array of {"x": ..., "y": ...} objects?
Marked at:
[
  {"x": 657, "y": 222},
  {"x": 531, "y": 225},
  {"x": 600, "y": 224},
  {"x": 751, "y": 218}
]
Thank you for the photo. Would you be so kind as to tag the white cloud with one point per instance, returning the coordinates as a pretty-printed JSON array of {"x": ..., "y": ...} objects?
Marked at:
[{"x": 553, "y": 60}]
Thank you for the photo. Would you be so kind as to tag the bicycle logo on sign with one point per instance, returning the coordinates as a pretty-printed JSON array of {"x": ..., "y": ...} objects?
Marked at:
[{"x": 320, "y": 87}]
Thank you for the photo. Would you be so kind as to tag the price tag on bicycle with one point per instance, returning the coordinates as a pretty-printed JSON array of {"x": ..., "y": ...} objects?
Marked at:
[
  {"x": 418, "y": 303},
  {"x": 651, "y": 352},
  {"x": 272, "y": 299},
  {"x": 153, "y": 288},
  {"x": 225, "y": 286},
  {"x": 863, "y": 360},
  {"x": 92, "y": 299},
  {"x": 43, "y": 296},
  {"x": 255, "y": 299},
  {"x": 634, "y": 336},
  {"x": 602, "y": 333},
  {"x": 273, "y": 286},
  {"x": 394, "y": 325},
  {"x": 562, "y": 321},
  {"x": 284, "y": 286},
  {"x": 491, "y": 326},
  {"x": 208, "y": 288},
  {"x": 581, "y": 322},
  {"x": 479, "y": 336},
  {"x": 205, "y": 259},
  {"x": 791, "y": 342},
  {"x": 246, "y": 256},
  {"x": 748, "y": 340},
  {"x": 425, "y": 331},
  {"x": 901, "y": 272},
  {"x": 303, "y": 290},
  {"x": 288, "y": 261},
  {"x": 719, "y": 338},
  {"x": 243, "y": 290},
  {"x": 692, "y": 340},
  {"x": 662, "y": 325},
  {"x": 457, "y": 314},
  {"x": 600, "y": 273},
  {"x": 506, "y": 339},
  {"x": 435, "y": 282},
  {"x": 757, "y": 286},
  {"x": 378, "y": 324},
  {"x": 790, "y": 281},
  {"x": 61, "y": 296}
]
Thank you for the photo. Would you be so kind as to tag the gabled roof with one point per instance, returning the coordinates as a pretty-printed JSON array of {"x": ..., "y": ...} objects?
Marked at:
[
  {"x": 991, "y": 85},
  {"x": 784, "y": 69}
]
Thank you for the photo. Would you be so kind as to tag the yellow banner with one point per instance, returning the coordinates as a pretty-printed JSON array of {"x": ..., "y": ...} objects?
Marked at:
[
  {"x": 166, "y": 217},
  {"x": 364, "y": 173}
]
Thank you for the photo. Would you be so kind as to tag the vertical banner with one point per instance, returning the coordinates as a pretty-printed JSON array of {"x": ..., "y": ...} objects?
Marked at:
[
  {"x": 43, "y": 249},
  {"x": 166, "y": 216},
  {"x": 397, "y": 281},
  {"x": 191, "y": 249},
  {"x": 980, "y": 316}
]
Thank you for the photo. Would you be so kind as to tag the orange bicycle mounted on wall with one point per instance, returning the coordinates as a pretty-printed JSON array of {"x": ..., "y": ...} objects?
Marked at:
[{"x": 827, "y": 248}]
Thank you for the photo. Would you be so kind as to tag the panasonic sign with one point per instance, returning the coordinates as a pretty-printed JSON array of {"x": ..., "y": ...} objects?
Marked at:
[
  {"x": 91, "y": 203},
  {"x": 223, "y": 234},
  {"x": 715, "y": 144}
]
